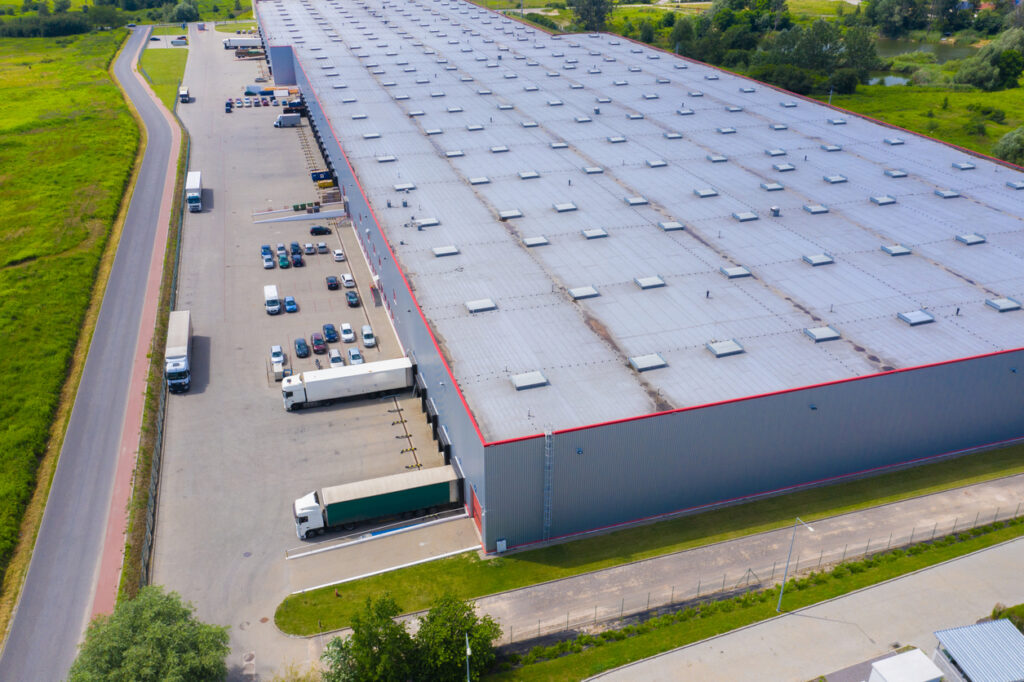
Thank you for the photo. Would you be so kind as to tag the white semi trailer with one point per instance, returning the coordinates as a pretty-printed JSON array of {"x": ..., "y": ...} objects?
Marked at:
[
  {"x": 319, "y": 387},
  {"x": 232, "y": 43},
  {"x": 194, "y": 191},
  {"x": 178, "y": 353}
]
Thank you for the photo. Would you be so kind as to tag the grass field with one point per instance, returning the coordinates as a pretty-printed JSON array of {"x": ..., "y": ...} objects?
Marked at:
[
  {"x": 67, "y": 144},
  {"x": 175, "y": 30},
  {"x": 468, "y": 576},
  {"x": 910, "y": 106},
  {"x": 231, "y": 27},
  {"x": 164, "y": 68},
  {"x": 675, "y": 630}
]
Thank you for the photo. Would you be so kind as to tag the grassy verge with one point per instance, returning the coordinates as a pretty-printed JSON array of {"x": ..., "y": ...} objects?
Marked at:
[
  {"x": 164, "y": 68},
  {"x": 175, "y": 30},
  {"x": 467, "y": 576},
  {"x": 588, "y": 655},
  {"x": 940, "y": 113},
  {"x": 67, "y": 146},
  {"x": 236, "y": 26}
]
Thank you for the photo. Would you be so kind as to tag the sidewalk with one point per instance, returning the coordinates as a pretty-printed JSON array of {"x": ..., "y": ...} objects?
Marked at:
[{"x": 827, "y": 637}]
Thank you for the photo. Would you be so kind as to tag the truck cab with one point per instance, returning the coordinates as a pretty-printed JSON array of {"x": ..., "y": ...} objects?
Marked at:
[
  {"x": 183, "y": 95},
  {"x": 309, "y": 519}
]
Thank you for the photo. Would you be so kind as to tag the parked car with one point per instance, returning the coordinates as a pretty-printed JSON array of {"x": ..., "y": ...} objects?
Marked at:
[
  {"x": 330, "y": 333},
  {"x": 248, "y": 102},
  {"x": 268, "y": 262},
  {"x": 332, "y": 282},
  {"x": 354, "y": 358},
  {"x": 347, "y": 335},
  {"x": 297, "y": 260},
  {"x": 335, "y": 358},
  {"x": 290, "y": 306},
  {"x": 154, "y": 38},
  {"x": 301, "y": 348},
  {"x": 318, "y": 343},
  {"x": 352, "y": 298},
  {"x": 276, "y": 355},
  {"x": 339, "y": 255},
  {"x": 369, "y": 340},
  {"x": 281, "y": 249},
  {"x": 273, "y": 102},
  {"x": 265, "y": 250},
  {"x": 309, "y": 249},
  {"x": 238, "y": 102},
  {"x": 347, "y": 281},
  {"x": 295, "y": 248},
  {"x": 283, "y": 262},
  {"x": 256, "y": 101},
  {"x": 265, "y": 102},
  {"x": 319, "y": 230},
  {"x": 321, "y": 247}
]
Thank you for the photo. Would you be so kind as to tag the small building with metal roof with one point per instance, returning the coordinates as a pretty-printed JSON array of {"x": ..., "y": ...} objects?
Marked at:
[{"x": 985, "y": 652}]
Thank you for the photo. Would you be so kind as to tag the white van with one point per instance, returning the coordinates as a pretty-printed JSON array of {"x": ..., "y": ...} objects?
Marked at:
[
  {"x": 369, "y": 340},
  {"x": 271, "y": 299}
]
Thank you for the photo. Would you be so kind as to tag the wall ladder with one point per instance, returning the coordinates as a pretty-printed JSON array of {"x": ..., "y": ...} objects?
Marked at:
[{"x": 548, "y": 467}]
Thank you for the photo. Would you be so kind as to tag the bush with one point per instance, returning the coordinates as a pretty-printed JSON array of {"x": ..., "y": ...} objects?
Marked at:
[
  {"x": 1010, "y": 147},
  {"x": 542, "y": 20}
]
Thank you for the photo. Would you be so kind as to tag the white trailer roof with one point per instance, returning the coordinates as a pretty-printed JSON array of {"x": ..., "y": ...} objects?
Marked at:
[
  {"x": 389, "y": 484},
  {"x": 554, "y": 164}
]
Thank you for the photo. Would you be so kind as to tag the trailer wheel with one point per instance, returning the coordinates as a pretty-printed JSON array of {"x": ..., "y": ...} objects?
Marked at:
[{"x": 349, "y": 526}]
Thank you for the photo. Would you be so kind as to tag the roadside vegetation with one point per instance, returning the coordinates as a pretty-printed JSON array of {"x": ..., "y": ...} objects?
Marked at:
[
  {"x": 49, "y": 18},
  {"x": 467, "y": 576},
  {"x": 1015, "y": 614},
  {"x": 67, "y": 145},
  {"x": 164, "y": 69},
  {"x": 589, "y": 654}
]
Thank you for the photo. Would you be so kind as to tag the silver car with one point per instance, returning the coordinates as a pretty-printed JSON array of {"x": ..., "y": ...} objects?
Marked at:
[{"x": 354, "y": 358}]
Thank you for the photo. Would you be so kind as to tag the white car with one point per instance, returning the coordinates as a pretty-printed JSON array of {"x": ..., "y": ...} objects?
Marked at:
[
  {"x": 347, "y": 335},
  {"x": 309, "y": 249},
  {"x": 369, "y": 340},
  {"x": 268, "y": 263},
  {"x": 334, "y": 356},
  {"x": 276, "y": 355},
  {"x": 354, "y": 358},
  {"x": 339, "y": 255},
  {"x": 347, "y": 281}
]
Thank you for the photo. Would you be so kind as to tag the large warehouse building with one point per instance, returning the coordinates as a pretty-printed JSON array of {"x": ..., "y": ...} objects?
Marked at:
[{"x": 635, "y": 285}]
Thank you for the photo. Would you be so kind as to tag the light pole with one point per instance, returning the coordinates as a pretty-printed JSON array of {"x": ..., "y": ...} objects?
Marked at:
[
  {"x": 785, "y": 574},
  {"x": 469, "y": 652}
]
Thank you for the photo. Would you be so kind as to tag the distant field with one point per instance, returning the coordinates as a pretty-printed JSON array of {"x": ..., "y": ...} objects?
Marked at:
[
  {"x": 231, "y": 27},
  {"x": 164, "y": 68},
  {"x": 909, "y": 107},
  {"x": 67, "y": 144}
]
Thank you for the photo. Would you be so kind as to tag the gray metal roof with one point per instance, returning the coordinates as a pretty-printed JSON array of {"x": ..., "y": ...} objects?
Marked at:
[
  {"x": 589, "y": 177},
  {"x": 986, "y": 652}
]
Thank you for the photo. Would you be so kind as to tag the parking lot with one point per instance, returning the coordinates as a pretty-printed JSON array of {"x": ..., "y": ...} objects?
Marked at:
[{"x": 234, "y": 459}]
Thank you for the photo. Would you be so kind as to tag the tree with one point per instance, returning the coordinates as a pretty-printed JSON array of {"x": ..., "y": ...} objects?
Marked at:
[
  {"x": 646, "y": 32},
  {"x": 1010, "y": 147},
  {"x": 61, "y": 6},
  {"x": 895, "y": 18},
  {"x": 1009, "y": 64},
  {"x": 441, "y": 641},
  {"x": 379, "y": 649},
  {"x": 151, "y": 637},
  {"x": 184, "y": 12},
  {"x": 859, "y": 51},
  {"x": 591, "y": 14}
]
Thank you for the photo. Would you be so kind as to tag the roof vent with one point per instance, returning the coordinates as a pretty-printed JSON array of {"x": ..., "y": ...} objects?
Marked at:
[
  {"x": 387, "y": 158},
  {"x": 705, "y": 192},
  {"x": 528, "y": 124},
  {"x": 837, "y": 121},
  {"x": 404, "y": 187},
  {"x": 652, "y": 282},
  {"x": 971, "y": 238},
  {"x": 716, "y": 158},
  {"x": 671, "y": 226},
  {"x": 780, "y": 126},
  {"x": 509, "y": 214},
  {"x": 895, "y": 173},
  {"x": 482, "y": 180},
  {"x": 583, "y": 119},
  {"x": 454, "y": 153},
  {"x": 433, "y": 131},
  {"x": 1015, "y": 184},
  {"x": 441, "y": 251},
  {"x": 894, "y": 141},
  {"x": 722, "y": 349},
  {"x": 744, "y": 216},
  {"x": 481, "y": 305},
  {"x": 643, "y": 363},
  {"x": 883, "y": 200},
  {"x": 834, "y": 179},
  {"x": 656, "y": 163},
  {"x": 896, "y": 249},
  {"x": 677, "y": 136},
  {"x": 726, "y": 131},
  {"x": 832, "y": 147},
  {"x": 947, "y": 193},
  {"x": 564, "y": 207},
  {"x": 818, "y": 259},
  {"x": 578, "y": 293},
  {"x": 964, "y": 165},
  {"x": 616, "y": 139},
  {"x": 734, "y": 272},
  {"x": 916, "y": 317},
  {"x": 734, "y": 109},
  {"x": 529, "y": 380},
  {"x": 559, "y": 145},
  {"x": 819, "y": 334},
  {"x": 747, "y": 90},
  {"x": 815, "y": 209},
  {"x": 635, "y": 201},
  {"x": 775, "y": 152},
  {"x": 593, "y": 170},
  {"x": 771, "y": 186},
  {"x": 594, "y": 233},
  {"x": 635, "y": 117},
  {"x": 499, "y": 149},
  {"x": 684, "y": 111},
  {"x": 788, "y": 104},
  {"x": 783, "y": 167},
  {"x": 535, "y": 241},
  {"x": 1003, "y": 305}
]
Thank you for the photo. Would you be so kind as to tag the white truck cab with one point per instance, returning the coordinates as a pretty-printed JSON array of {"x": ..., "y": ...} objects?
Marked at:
[{"x": 309, "y": 520}]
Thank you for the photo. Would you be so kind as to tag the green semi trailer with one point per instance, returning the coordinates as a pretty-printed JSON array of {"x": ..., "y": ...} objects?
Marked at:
[{"x": 348, "y": 504}]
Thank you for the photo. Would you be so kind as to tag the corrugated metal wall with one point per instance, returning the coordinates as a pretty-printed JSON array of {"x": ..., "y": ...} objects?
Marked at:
[{"x": 627, "y": 471}]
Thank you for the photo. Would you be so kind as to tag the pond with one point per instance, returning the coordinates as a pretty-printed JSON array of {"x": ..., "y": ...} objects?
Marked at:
[{"x": 890, "y": 47}]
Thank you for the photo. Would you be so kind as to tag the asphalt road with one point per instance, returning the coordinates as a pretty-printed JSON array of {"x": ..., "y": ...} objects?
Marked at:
[{"x": 58, "y": 592}]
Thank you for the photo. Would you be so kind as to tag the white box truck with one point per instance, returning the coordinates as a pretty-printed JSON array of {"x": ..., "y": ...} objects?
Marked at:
[
  {"x": 177, "y": 368},
  {"x": 319, "y": 387},
  {"x": 288, "y": 120},
  {"x": 183, "y": 95},
  {"x": 194, "y": 191},
  {"x": 271, "y": 300},
  {"x": 232, "y": 43}
]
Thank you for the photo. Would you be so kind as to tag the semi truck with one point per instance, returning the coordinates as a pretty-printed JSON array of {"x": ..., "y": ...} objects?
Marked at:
[
  {"x": 178, "y": 353},
  {"x": 319, "y": 387},
  {"x": 194, "y": 191},
  {"x": 232, "y": 43},
  {"x": 422, "y": 490},
  {"x": 287, "y": 120}
]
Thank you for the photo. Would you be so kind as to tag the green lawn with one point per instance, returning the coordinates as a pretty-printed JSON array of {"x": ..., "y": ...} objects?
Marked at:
[
  {"x": 233, "y": 26},
  {"x": 910, "y": 106},
  {"x": 467, "y": 576},
  {"x": 67, "y": 144},
  {"x": 164, "y": 68},
  {"x": 675, "y": 630},
  {"x": 174, "y": 30}
]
